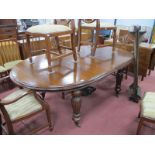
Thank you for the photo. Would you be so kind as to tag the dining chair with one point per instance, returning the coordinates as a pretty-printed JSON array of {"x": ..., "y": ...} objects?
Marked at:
[
  {"x": 23, "y": 104},
  {"x": 64, "y": 40},
  {"x": 9, "y": 52},
  {"x": 147, "y": 110},
  {"x": 9, "y": 47},
  {"x": 48, "y": 32},
  {"x": 9, "y": 55},
  {"x": 95, "y": 26}
]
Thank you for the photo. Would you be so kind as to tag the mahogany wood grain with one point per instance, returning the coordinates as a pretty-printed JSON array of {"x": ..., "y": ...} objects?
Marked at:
[{"x": 68, "y": 75}]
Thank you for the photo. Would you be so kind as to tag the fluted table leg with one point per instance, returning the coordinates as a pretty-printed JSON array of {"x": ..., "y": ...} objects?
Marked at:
[{"x": 76, "y": 105}]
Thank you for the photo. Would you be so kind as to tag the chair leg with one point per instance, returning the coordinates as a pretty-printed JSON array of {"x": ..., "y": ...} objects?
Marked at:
[
  {"x": 93, "y": 50},
  {"x": 79, "y": 36},
  {"x": 149, "y": 72},
  {"x": 8, "y": 122},
  {"x": 63, "y": 95},
  {"x": 114, "y": 39},
  {"x": 57, "y": 44},
  {"x": 10, "y": 128},
  {"x": 142, "y": 78},
  {"x": 47, "y": 109},
  {"x": 73, "y": 47},
  {"x": 139, "y": 126},
  {"x": 126, "y": 73}
]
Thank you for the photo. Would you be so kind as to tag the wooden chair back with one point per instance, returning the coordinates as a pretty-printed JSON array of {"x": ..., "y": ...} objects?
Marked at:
[
  {"x": 94, "y": 28},
  {"x": 9, "y": 50},
  {"x": 1, "y": 61},
  {"x": 90, "y": 21},
  {"x": 66, "y": 22},
  {"x": 65, "y": 40}
]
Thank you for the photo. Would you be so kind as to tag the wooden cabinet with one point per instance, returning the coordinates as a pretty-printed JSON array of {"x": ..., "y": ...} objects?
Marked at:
[
  {"x": 8, "y": 28},
  {"x": 8, "y": 22}
]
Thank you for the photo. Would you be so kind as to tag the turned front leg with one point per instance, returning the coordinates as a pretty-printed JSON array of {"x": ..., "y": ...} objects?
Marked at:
[{"x": 76, "y": 105}]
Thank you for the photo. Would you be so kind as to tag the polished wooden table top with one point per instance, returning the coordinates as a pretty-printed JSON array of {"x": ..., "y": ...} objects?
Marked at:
[{"x": 68, "y": 74}]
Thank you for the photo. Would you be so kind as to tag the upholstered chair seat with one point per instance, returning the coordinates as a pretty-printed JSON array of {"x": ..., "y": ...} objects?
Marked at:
[
  {"x": 51, "y": 34},
  {"x": 102, "y": 25},
  {"x": 11, "y": 64},
  {"x": 147, "y": 111},
  {"x": 2, "y": 69},
  {"x": 48, "y": 29},
  {"x": 148, "y": 105},
  {"x": 23, "y": 107},
  {"x": 23, "y": 104}
]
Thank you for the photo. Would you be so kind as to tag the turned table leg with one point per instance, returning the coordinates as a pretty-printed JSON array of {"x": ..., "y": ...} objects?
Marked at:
[
  {"x": 119, "y": 77},
  {"x": 76, "y": 105}
]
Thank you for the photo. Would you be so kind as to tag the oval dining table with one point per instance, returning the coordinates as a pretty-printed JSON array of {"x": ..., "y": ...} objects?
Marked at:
[{"x": 68, "y": 75}]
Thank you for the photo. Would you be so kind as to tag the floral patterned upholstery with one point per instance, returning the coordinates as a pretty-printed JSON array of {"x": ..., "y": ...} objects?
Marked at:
[
  {"x": 23, "y": 107},
  {"x": 148, "y": 105}
]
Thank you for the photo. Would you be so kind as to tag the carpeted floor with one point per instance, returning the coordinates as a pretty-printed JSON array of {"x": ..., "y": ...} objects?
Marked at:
[{"x": 102, "y": 113}]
